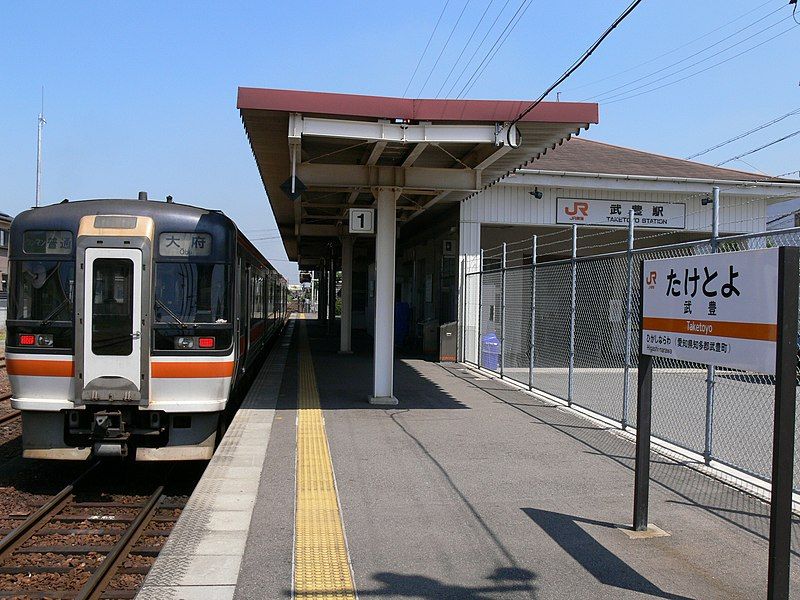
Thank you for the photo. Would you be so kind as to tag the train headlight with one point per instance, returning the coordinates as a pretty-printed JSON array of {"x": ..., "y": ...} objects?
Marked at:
[
  {"x": 184, "y": 343},
  {"x": 193, "y": 342},
  {"x": 45, "y": 339}
]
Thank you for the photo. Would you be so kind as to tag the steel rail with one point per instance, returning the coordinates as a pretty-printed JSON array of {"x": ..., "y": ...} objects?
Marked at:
[
  {"x": 32, "y": 524},
  {"x": 10, "y": 416},
  {"x": 96, "y": 586}
]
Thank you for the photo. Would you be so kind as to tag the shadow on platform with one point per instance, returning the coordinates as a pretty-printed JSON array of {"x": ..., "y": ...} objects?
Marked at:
[
  {"x": 401, "y": 585},
  {"x": 730, "y": 504},
  {"x": 345, "y": 380},
  {"x": 605, "y": 566}
]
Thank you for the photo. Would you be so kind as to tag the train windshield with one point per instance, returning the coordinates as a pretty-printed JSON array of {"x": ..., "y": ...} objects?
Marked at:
[
  {"x": 44, "y": 290},
  {"x": 192, "y": 293}
]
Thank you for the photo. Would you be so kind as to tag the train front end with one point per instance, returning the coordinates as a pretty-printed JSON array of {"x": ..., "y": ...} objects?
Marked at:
[{"x": 120, "y": 329}]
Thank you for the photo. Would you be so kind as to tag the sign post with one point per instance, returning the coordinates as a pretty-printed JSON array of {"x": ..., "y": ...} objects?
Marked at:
[
  {"x": 736, "y": 310},
  {"x": 780, "y": 522}
]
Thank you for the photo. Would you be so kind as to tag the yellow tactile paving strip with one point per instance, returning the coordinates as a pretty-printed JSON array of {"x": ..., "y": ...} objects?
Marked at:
[{"x": 321, "y": 561}]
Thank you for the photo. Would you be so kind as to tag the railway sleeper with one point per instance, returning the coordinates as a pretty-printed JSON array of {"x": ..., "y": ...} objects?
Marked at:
[
  {"x": 142, "y": 550},
  {"x": 66, "y": 531},
  {"x": 41, "y": 569}
]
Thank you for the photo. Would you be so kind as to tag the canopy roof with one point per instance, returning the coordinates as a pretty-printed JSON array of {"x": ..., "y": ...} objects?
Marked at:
[{"x": 341, "y": 146}]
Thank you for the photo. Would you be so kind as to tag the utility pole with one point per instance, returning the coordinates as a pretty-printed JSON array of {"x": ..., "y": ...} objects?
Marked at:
[{"x": 39, "y": 152}]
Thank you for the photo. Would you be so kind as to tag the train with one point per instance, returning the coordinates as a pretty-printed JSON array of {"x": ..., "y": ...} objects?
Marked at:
[{"x": 132, "y": 325}]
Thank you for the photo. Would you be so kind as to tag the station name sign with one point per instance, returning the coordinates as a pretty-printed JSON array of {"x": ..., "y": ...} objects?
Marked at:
[
  {"x": 714, "y": 309},
  {"x": 614, "y": 213}
]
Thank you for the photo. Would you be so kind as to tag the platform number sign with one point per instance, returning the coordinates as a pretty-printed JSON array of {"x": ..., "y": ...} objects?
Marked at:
[{"x": 362, "y": 220}]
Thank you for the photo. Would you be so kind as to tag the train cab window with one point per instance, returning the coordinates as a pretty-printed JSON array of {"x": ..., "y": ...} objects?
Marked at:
[
  {"x": 41, "y": 301},
  {"x": 191, "y": 293},
  {"x": 112, "y": 307},
  {"x": 44, "y": 290}
]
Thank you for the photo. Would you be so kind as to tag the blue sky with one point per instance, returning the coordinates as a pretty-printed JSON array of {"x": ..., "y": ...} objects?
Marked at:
[{"x": 142, "y": 95}]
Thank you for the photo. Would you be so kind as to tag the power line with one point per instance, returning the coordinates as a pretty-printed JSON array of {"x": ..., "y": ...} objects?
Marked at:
[
  {"x": 504, "y": 40},
  {"x": 746, "y": 133},
  {"x": 690, "y": 75},
  {"x": 582, "y": 59},
  {"x": 474, "y": 31},
  {"x": 419, "y": 62},
  {"x": 609, "y": 94},
  {"x": 475, "y": 73},
  {"x": 754, "y": 150},
  {"x": 668, "y": 52},
  {"x": 477, "y": 48},
  {"x": 452, "y": 31},
  {"x": 699, "y": 52}
]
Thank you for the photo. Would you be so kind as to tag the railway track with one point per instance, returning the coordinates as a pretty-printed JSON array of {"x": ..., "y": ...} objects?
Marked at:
[
  {"x": 5, "y": 396},
  {"x": 81, "y": 545},
  {"x": 8, "y": 417}
]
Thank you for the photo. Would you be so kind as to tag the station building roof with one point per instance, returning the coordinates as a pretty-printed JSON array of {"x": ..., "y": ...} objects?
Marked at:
[
  {"x": 588, "y": 157},
  {"x": 340, "y": 146}
]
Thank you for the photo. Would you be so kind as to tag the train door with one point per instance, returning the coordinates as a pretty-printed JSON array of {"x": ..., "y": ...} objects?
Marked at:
[{"x": 112, "y": 336}]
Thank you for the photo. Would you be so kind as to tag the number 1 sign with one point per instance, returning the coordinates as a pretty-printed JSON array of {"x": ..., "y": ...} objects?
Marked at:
[{"x": 362, "y": 220}]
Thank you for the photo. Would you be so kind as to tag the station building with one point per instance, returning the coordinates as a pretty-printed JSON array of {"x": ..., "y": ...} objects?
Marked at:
[{"x": 451, "y": 178}]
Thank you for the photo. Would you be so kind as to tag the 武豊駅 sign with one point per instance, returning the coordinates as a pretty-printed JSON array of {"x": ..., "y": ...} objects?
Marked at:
[
  {"x": 614, "y": 213},
  {"x": 715, "y": 309}
]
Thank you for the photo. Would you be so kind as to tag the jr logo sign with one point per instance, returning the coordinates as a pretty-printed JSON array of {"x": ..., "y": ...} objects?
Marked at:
[
  {"x": 578, "y": 211},
  {"x": 651, "y": 279}
]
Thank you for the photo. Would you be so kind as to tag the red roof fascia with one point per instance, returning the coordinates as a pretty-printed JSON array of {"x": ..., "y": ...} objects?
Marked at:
[{"x": 352, "y": 105}]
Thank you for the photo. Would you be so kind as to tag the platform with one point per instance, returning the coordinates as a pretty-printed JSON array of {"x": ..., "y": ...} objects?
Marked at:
[{"x": 467, "y": 489}]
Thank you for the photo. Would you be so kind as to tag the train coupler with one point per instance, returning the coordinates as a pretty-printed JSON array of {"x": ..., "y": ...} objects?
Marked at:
[{"x": 109, "y": 435}]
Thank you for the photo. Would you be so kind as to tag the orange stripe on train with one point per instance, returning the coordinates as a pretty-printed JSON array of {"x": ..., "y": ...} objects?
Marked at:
[
  {"x": 191, "y": 369},
  {"x": 40, "y": 368}
]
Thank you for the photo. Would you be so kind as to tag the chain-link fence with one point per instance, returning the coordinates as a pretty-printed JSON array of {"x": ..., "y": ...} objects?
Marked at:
[{"x": 570, "y": 328}]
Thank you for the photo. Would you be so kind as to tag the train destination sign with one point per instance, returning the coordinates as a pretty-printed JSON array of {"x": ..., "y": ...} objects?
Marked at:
[
  {"x": 184, "y": 244},
  {"x": 715, "y": 309},
  {"x": 614, "y": 213}
]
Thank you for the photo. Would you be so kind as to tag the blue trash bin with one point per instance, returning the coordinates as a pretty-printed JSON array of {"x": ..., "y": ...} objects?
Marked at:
[{"x": 490, "y": 351}]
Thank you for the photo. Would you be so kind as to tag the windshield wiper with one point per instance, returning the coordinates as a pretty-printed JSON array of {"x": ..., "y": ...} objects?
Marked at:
[
  {"x": 170, "y": 313},
  {"x": 49, "y": 318}
]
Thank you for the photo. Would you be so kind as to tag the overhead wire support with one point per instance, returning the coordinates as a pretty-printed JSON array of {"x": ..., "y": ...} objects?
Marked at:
[{"x": 582, "y": 59}]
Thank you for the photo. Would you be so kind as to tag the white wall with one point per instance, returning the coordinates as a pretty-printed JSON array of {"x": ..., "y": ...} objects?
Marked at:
[{"x": 514, "y": 205}]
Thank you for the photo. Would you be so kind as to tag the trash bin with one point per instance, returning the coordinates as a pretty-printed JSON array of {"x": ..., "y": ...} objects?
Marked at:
[
  {"x": 430, "y": 341},
  {"x": 490, "y": 351},
  {"x": 448, "y": 342}
]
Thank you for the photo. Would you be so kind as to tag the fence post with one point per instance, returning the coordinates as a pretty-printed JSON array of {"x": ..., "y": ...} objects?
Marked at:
[
  {"x": 710, "y": 369},
  {"x": 480, "y": 310},
  {"x": 628, "y": 324},
  {"x": 462, "y": 354},
  {"x": 503, "y": 313},
  {"x": 572, "y": 315},
  {"x": 533, "y": 312}
]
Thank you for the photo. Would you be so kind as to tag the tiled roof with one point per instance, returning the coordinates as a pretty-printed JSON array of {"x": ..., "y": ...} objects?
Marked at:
[{"x": 587, "y": 156}]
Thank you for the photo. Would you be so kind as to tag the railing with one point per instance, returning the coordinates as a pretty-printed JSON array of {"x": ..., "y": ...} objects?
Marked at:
[{"x": 570, "y": 328}]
